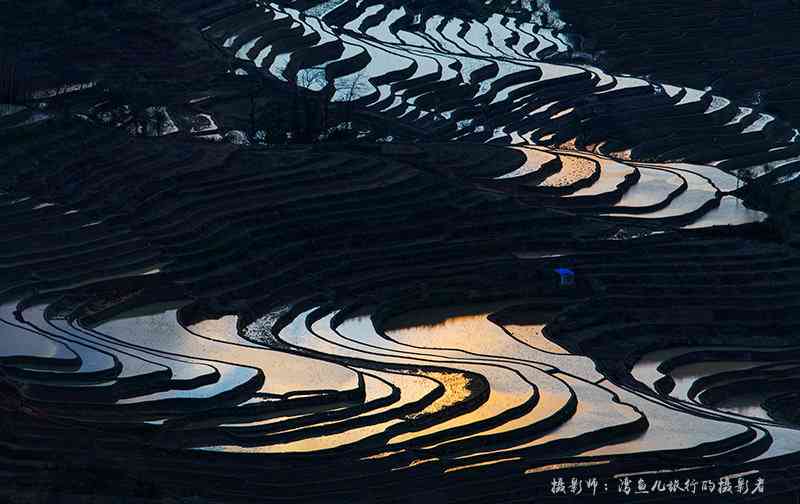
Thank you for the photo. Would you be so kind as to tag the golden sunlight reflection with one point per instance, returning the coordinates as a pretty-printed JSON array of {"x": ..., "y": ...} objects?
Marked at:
[
  {"x": 533, "y": 335},
  {"x": 573, "y": 168},
  {"x": 566, "y": 465},
  {"x": 456, "y": 386},
  {"x": 482, "y": 464}
]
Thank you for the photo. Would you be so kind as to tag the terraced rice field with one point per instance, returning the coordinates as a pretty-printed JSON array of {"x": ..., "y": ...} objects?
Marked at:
[{"x": 382, "y": 321}]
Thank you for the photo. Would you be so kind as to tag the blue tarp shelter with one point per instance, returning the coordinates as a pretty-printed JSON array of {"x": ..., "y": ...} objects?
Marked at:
[{"x": 567, "y": 276}]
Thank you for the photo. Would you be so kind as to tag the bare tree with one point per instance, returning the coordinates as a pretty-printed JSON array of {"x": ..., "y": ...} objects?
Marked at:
[
  {"x": 355, "y": 86},
  {"x": 315, "y": 106},
  {"x": 312, "y": 78},
  {"x": 350, "y": 90}
]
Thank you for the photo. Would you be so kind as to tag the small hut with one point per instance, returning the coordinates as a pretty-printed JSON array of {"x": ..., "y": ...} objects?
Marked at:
[{"x": 566, "y": 276}]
